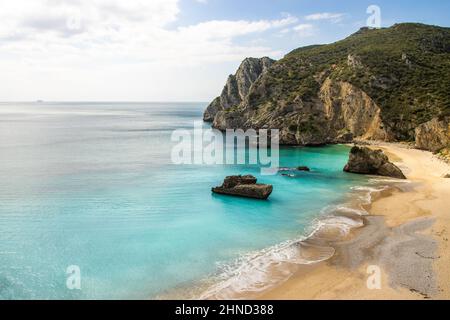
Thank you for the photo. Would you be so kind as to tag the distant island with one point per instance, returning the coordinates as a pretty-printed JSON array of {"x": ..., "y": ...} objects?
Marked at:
[{"x": 389, "y": 84}]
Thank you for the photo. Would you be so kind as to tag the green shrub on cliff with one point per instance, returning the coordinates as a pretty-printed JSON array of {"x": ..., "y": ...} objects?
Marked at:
[{"x": 405, "y": 69}]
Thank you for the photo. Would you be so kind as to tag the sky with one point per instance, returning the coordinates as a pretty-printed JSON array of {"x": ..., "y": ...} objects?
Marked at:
[{"x": 167, "y": 50}]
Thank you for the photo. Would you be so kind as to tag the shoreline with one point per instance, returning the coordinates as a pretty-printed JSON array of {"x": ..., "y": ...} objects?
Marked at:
[
  {"x": 398, "y": 226},
  {"x": 405, "y": 236},
  {"x": 261, "y": 271}
]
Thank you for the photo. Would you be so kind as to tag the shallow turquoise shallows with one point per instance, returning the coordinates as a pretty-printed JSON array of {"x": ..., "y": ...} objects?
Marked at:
[{"x": 92, "y": 185}]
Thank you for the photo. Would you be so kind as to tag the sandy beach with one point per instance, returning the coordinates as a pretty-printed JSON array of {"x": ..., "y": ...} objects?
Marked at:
[{"x": 405, "y": 238}]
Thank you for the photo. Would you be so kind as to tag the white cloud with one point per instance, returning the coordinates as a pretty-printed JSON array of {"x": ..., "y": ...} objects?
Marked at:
[
  {"x": 304, "y": 29},
  {"x": 62, "y": 41},
  {"x": 136, "y": 29},
  {"x": 223, "y": 29},
  {"x": 96, "y": 16},
  {"x": 335, "y": 17}
]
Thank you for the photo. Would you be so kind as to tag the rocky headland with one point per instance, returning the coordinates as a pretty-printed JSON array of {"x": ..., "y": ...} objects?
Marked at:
[{"x": 389, "y": 84}]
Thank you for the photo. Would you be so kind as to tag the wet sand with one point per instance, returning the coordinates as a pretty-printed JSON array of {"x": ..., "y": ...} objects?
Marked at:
[{"x": 405, "y": 237}]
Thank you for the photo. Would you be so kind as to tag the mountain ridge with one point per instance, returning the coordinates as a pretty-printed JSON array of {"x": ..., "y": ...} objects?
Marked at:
[{"x": 388, "y": 84}]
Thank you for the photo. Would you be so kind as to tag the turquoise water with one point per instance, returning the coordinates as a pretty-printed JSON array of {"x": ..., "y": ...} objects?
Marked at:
[{"x": 92, "y": 185}]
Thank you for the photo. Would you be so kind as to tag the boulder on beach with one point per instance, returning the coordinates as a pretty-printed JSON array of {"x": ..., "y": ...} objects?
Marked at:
[
  {"x": 244, "y": 186},
  {"x": 363, "y": 160}
]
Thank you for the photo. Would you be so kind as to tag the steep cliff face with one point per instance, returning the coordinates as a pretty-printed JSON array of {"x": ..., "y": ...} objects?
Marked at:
[
  {"x": 350, "y": 110},
  {"x": 238, "y": 86},
  {"x": 377, "y": 84},
  {"x": 341, "y": 113},
  {"x": 434, "y": 135}
]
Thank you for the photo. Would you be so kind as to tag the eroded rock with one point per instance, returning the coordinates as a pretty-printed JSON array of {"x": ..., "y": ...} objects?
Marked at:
[
  {"x": 244, "y": 186},
  {"x": 433, "y": 135},
  {"x": 363, "y": 160}
]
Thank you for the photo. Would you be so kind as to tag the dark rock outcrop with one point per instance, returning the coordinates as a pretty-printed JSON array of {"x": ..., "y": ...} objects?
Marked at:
[
  {"x": 363, "y": 160},
  {"x": 244, "y": 186},
  {"x": 233, "y": 181},
  {"x": 238, "y": 86}
]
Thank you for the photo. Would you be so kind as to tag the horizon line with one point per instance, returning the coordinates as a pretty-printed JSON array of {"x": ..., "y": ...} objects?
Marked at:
[{"x": 102, "y": 101}]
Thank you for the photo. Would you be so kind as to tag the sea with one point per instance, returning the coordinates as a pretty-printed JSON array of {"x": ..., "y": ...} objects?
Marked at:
[{"x": 92, "y": 206}]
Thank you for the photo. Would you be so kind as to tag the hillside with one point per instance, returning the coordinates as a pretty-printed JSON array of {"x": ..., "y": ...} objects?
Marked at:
[{"x": 388, "y": 84}]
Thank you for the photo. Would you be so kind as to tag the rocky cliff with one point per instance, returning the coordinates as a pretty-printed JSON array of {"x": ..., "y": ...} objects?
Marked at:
[
  {"x": 238, "y": 86},
  {"x": 340, "y": 113},
  {"x": 387, "y": 84},
  {"x": 434, "y": 135}
]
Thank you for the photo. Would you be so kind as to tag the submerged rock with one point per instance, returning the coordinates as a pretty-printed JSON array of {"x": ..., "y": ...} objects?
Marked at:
[
  {"x": 301, "y": 168},
  {"x": 363, "y": 160},
  {"x": 244, "y": 186}
]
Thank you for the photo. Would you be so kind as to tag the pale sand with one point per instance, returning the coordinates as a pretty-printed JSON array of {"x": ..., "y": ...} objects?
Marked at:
[{"x": 406, "y": 236}]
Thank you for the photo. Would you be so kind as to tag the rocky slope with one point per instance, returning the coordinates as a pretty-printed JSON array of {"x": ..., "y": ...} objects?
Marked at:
[
  {"x": 433, "y": 135},
  {"x": 238, "y": 86},
  {"x": 386, "y": 84}
]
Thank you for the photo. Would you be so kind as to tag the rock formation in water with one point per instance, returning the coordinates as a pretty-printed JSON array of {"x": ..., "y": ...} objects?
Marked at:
[
  {"x": 387, "y": 84},
  {"x": 363, "y": 160},
  {"x": 244, "y": 186}
]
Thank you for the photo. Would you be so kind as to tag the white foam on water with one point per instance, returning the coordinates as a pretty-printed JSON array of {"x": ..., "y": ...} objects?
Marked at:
[
  {"x": 369, "y": 189},
  {"x": 261, "y": 270},
  {"x": 264, "y": 269},
  {"x": 367, "y": 192},
  {"x": 389, "y": 181},
  {"x": 335, "y": 209},
  {"x": 343, "y": 225}
]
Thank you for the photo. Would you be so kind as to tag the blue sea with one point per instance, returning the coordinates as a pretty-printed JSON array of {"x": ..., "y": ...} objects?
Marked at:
[{"x": 92, "y": 185}]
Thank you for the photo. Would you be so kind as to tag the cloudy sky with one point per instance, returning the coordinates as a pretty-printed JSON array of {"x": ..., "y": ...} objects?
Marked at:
[{"x": 166, "y": 50}]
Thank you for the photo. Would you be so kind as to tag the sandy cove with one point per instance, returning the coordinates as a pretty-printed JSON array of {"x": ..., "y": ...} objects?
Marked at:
[{"x": 406, "y": 236}]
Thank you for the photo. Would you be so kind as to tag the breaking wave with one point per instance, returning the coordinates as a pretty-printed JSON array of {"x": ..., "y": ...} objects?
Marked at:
[{"x": 256, "y": 272}]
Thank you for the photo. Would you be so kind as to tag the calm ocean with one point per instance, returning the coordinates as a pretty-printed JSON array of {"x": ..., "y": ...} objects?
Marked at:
[{"x": 92, "y": 185}]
